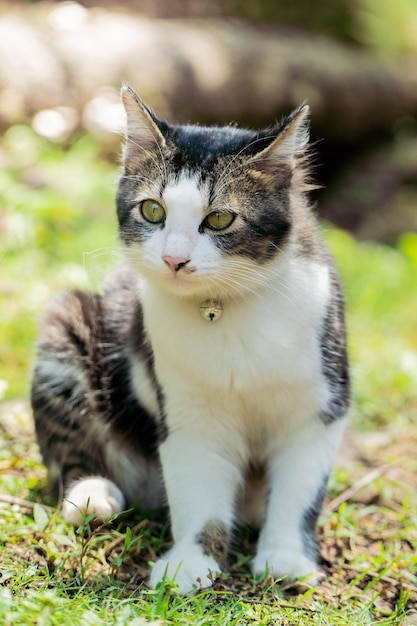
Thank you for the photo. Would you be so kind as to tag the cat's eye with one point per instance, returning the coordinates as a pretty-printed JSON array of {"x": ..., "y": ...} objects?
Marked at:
[
  {"x": 152, "y": 211},
  {"x": 219, "y": 220}
]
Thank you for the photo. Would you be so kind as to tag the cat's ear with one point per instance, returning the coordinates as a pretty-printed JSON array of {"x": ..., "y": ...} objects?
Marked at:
[
  {"x": 292, "y": 138},
  {"x": 142, "y": 132}
]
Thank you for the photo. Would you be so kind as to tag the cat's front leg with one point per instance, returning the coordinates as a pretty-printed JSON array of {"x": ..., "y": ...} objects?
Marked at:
[
  {"x": 298, "y": 476},
  {"x": 201, "y": 486}
]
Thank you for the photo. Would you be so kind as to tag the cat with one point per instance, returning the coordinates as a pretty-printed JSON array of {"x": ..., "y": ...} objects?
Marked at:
[{"x": 212, "y": 370}]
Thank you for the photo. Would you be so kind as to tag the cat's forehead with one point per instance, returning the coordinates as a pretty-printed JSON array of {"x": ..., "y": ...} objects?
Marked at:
[
  {"x": 202, "y": 147},
  {"x": 185, "y": 192}
]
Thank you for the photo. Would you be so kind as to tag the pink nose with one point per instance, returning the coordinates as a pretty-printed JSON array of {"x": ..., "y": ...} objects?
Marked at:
[{"x": 175, "y": 263}]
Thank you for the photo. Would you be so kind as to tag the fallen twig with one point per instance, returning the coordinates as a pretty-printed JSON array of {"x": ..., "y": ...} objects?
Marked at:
[
  {"x": 399, "y": 582},
  {"x": 26, "y": 504},
  {"x": 350, "y": 491}
]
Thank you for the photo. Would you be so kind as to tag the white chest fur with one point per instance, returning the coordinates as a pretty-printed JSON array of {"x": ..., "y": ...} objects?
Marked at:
[{"x": 264, "y": 353}]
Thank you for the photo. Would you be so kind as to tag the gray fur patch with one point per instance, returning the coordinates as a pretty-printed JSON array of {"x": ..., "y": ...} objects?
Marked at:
[
  {"x": 334, "y": 356},
  {"x": 309, "y": 523},
  {"x": 214, "y": 539}
]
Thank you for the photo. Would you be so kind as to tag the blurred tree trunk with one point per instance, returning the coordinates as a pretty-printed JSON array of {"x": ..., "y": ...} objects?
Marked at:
[
  {"x": 208, "y": 70},
  {"x": 72, "y": 59}
]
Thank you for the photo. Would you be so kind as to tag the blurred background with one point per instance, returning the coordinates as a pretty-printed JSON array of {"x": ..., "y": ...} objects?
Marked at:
[{"x": 214, "y": 61}]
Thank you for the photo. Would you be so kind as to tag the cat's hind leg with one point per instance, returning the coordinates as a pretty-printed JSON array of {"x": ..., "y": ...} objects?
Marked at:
[
  {"x": 69, "y": 407},
  {"x": 95, "y": 495}
]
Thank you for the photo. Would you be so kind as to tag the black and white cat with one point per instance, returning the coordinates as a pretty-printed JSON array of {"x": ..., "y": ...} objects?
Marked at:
[{"x": 216, "y": 354}]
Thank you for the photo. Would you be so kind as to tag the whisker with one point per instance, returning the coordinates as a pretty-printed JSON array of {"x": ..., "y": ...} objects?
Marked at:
[
  {"x": 223, "y": 284},
  {"x": 140, "y": 178},
  {"x": 163, "y": 172},
  {"x": 262, "y": 279},
  {"x": 218, "y": 189}
]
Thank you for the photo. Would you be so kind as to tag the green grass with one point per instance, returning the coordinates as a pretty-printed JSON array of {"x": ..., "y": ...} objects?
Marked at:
[
  {"x": 53, "y": 574},
  {"x": 58, "y": 229},
  {"x": 380, "y": 285},
  {"x": 57, "y": 216}
]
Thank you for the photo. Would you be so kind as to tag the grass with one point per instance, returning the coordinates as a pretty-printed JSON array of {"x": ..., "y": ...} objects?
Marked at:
[
  {"x": 58, "y": 229},
  {"x": 57, "y": 214}
]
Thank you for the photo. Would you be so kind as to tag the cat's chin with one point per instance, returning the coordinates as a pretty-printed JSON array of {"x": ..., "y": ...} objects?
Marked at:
[
  {"x": 201, "y": 290},
  {"x": 187, "y": 286},
  {"x": 193, "y": 289}
]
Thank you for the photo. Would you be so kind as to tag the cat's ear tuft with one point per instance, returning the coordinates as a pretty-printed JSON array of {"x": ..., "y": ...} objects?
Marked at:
[
  {"x": 142, "y": 132},
  {"x": 297, "y": 130},
  {"x": 292, "y": 138}
]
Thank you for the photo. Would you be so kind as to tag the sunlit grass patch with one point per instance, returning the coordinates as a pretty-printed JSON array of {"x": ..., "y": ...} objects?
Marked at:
[
  {"x": 58, "y": 229},
  {"x": 381, "y": 295}
]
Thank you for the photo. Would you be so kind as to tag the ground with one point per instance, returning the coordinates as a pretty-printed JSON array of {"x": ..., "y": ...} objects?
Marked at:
[{"x": 368, "y": 535}]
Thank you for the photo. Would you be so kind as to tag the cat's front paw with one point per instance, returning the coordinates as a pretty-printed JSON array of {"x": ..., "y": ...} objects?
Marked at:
[
  {"x": 92, "y": 495},
  {"x": 287, "y": 564},
  {"x": 187, "y": 566}
]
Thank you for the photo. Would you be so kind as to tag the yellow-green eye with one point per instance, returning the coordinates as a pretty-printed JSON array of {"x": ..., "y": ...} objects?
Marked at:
[
  {"x": 218, "y": 220},
  {"x": 152, "y": 211}
]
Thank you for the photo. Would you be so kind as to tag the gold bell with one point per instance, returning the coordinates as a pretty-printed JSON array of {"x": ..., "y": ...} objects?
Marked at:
[{"x": 211, "y": 310}]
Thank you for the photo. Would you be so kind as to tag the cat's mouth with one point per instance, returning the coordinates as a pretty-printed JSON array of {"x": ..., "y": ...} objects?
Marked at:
[
  {"x": 183, "y": 272},
  {"x": 185, "y": 281},
  {"x": 189, "y": 281}
]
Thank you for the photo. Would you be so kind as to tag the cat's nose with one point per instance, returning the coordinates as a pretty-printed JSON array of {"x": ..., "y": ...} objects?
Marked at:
[{"x": 175, "y": 263}]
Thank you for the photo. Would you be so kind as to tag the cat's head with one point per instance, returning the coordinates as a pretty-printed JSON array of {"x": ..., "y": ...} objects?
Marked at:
[{"x": 208, "y": 211}]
